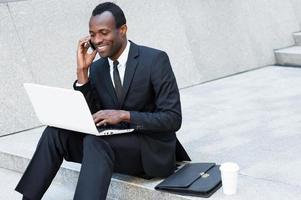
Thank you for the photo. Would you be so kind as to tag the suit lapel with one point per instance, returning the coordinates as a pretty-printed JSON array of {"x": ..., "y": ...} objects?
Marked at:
[
  {"x": 108, "y": 82},
  {"x": 131, "y": 66}
]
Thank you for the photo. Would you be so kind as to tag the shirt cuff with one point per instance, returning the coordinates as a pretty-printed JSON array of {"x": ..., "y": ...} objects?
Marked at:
[{"x": 78, "y": 84}]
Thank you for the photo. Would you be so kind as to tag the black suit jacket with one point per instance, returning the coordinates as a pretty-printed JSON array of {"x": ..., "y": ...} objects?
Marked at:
[{"x": 151, "y": 95}]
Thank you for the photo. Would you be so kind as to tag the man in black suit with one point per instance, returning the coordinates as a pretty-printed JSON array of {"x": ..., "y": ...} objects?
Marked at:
[{"x": 130, "y": 85}]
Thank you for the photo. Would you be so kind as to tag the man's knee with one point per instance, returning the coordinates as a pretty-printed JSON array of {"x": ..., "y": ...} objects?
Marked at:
[
  {"x": 50, "y": 133},
  {"x": 51, "y": 137},
  {"x": 93, "y": 143},
  {"x": 54, "y": 133}
]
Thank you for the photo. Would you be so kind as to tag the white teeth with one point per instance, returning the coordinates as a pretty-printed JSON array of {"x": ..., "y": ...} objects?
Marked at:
[{"x": 101, "y": 48}]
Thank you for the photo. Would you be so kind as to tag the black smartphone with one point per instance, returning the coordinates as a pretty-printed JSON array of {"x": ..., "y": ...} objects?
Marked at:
[{"x": 92, "y": 45}]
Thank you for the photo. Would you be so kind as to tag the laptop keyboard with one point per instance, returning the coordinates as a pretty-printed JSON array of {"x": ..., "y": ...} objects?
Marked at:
[{"x": 113, "y": 129}]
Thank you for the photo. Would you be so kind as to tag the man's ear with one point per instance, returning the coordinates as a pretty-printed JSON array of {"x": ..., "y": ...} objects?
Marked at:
[{"x": 123, "y": 29}]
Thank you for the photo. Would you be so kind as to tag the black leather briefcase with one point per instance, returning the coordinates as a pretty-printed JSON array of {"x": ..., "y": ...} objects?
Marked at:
[{"x": 194, "y": 179}]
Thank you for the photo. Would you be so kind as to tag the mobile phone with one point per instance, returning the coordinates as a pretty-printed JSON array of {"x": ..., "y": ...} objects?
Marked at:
[{"x": 92, "y": 45}]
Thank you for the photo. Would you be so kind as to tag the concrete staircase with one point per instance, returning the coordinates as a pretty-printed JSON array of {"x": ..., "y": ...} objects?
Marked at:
[
  {"x": 57, "y": 191},
  {"x": 290, "y": 56},
  {"x": 16, "y": 151},
  {"x": 252, "y": 118},
  {"x": 221, "y": 106}
]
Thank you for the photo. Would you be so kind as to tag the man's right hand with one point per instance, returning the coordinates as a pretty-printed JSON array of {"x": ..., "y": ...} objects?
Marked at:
[{"x": 84, "y": 59}]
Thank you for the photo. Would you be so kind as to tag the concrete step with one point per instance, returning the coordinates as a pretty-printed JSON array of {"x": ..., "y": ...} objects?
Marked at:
[
  {"x": 10, "y": 178},
  {"x": 290, "y": 56},
  {"x": 297, "y": 38},
  {"x": 252, "y": 118},
  {"x": 16, "y": 151}
]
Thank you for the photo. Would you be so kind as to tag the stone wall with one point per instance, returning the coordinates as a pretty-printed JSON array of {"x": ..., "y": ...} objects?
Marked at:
[{"x": 205, "y": 40}]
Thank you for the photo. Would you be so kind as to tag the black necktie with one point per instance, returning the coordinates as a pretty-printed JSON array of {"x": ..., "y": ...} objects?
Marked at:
[{"x": 117, "y": 81}]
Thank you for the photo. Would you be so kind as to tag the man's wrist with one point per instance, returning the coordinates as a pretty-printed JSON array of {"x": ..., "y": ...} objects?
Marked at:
[
  {"x": 125, "y": 116},
  {"x": 82, "y": 76}
]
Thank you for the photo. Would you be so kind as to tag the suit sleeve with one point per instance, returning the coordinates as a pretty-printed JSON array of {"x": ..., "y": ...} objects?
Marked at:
[
  {"x": 167, "y": 113},
  {"x": 90, "y": 95}
]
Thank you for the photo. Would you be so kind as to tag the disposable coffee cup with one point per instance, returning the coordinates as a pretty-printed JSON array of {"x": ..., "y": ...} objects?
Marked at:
[{"x": 229, "y": 172}]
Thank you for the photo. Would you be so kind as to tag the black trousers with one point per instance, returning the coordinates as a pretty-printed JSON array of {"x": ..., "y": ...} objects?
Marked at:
[{"x": 99, "y": 156}]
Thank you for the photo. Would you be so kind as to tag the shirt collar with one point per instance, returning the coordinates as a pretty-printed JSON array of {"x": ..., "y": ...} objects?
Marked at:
[{"x": 123, "y": 57}]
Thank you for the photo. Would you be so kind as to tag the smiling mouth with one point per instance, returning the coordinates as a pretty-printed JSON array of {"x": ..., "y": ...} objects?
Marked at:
[{"x": 102, "y": 48}]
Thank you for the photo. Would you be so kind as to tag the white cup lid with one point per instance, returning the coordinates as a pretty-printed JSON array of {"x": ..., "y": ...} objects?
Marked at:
[{"x": 229, "y": 167}]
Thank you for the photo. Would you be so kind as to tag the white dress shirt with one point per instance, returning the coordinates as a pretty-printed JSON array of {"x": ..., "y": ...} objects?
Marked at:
[{"x": 122, "y": 63}]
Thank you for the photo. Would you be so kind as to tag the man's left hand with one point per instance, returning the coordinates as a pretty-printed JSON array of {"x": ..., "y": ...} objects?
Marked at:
[{"x": 104, "y": 117}]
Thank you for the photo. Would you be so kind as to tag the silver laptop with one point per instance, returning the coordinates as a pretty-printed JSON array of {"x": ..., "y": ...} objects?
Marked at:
[{"x": 67, "y": 109}]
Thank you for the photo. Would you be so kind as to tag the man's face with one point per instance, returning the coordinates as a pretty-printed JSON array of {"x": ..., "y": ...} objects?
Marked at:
[{"x": 105, "y": 36}]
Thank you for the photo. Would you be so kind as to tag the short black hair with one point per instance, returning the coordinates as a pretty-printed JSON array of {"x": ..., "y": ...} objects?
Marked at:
[{"x": 114, "y": 9}]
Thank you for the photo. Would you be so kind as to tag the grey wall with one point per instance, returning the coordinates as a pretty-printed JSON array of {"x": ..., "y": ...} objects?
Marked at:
[
  {"x": 205, "y": 39},
  {"x": 297, "y": 6}
]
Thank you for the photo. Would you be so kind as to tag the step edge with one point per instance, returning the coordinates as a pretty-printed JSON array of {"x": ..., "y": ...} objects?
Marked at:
[{"x": 18, "y": 164}]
